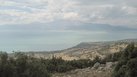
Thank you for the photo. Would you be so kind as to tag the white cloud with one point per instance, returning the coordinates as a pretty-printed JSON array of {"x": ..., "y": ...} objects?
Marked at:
[
  {"x": 71, "y": 15},
  {"x": 130, "y": 10},
  {"x": 115, "y": 12}
]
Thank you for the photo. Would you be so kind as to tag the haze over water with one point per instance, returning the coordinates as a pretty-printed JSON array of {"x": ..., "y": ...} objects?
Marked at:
[{"x": 37, "y": 25}]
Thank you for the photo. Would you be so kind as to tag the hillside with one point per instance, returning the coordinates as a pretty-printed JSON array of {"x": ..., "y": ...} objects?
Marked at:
[
  {"x": 121, "y": 64},
  {"x": 88, "y": 50},
  {"x": 103, "y": 70}
]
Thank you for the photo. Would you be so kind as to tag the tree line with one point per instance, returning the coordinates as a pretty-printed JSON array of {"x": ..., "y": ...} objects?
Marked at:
[{"x": 22, "y": 65}]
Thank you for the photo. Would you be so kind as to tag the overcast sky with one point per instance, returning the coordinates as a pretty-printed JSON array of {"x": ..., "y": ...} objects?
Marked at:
[{"x": 58, "y": 24}]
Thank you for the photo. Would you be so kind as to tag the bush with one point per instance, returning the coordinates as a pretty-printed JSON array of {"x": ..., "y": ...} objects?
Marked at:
[
  {"x": 127, "y": 64},
  {"x": 22, "y": 65}
]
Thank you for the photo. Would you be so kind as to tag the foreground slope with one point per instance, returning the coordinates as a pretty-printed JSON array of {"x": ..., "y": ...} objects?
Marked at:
[{"x": 98, "y": 70}]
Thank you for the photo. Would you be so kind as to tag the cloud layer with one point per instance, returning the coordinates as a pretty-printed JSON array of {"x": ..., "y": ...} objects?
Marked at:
[
  {"x": 59, "y": 24},
  {"x": 114, "y": 12}
]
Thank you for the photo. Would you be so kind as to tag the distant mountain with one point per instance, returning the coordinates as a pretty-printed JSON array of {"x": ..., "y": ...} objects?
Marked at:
[
  {"x": 128, "y": 40},
  {"x": 91, "y": 44},
  {"x": 88, "y": 50}
]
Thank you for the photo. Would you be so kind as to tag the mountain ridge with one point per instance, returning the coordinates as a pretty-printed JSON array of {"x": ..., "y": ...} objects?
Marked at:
[{"x": 88, "y": 50}]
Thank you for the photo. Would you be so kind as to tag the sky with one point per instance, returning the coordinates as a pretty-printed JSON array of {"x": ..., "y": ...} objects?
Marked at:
[{"x": 46, "y": 25}]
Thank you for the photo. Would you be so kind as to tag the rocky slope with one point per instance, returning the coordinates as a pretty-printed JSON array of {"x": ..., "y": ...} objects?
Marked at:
[
  {"x": 98, "y": 70},
  {"x": 88, "y": 50}
]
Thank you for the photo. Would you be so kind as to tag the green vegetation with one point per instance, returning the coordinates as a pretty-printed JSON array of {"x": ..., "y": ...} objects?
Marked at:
[
  {"x": 22, "y": 65},
  {"x": 127, "y": 63},
  {"x": 112, "y": 57}
]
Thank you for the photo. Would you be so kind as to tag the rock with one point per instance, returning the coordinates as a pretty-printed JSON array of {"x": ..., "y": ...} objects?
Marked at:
[
  {"x": 109, "y": 65},
  {"x": 102, "y": 65},
  {"x": 96, "y": 65},
  {"x": 101, "y": 69}
]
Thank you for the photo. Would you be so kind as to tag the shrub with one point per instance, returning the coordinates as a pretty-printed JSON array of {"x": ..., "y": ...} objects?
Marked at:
[{"x": 127, "y": 64}]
